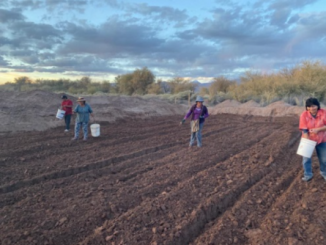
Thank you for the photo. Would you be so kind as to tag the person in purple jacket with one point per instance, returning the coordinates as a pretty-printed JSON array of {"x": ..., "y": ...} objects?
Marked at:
[{"x": 198, "y": 113}]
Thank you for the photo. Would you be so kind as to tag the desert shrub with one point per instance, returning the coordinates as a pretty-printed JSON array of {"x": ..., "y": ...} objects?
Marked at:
[
  {"x": 220, "y": 84},
  {"x": 155, "y": 88},
  {"x": 179, "y": 85},
  {"x": 136, "y": 82},
  {"x": 292, "y": 85},
  {"x": 203, "y": 91}
]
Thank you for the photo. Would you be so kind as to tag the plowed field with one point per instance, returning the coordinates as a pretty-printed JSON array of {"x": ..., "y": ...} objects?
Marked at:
[{"x": 139, "y": 183}]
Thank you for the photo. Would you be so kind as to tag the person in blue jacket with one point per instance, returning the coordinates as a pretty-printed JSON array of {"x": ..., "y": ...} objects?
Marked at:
[{"x": 83, "y": 110}]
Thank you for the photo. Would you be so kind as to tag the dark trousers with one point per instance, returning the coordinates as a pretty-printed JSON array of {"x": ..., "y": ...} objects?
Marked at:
[{"x": 67, "y": 121}]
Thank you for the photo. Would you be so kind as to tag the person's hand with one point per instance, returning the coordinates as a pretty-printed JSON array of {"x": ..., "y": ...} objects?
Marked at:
[
  {"x": 306, "y": 136},
  {"x": 183, "y": 121},
  {"x": 314, "y": 130}
]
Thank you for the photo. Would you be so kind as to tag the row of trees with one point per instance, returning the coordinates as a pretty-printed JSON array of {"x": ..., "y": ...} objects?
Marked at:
[
  {"x": 292, "y": 85},
  {"x": 140, "y": 82}
]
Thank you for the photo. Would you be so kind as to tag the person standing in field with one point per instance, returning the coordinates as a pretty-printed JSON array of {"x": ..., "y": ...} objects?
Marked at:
[
  {"x": 198, "y": 113},
  {"x": 83, "y": 110},
  {"x": 66, "y": 105},
  {"x": 313, "y": 127}
]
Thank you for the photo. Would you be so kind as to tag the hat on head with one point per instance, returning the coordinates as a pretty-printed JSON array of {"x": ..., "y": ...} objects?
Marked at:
[
  {"x": 80, "y": 99},
  {"x": 199, "y": 99},
  {"x": 64, "y": 97}
]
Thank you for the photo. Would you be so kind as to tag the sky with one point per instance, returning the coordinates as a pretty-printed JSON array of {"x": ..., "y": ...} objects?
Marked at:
[{"x": 199, "y": 40}]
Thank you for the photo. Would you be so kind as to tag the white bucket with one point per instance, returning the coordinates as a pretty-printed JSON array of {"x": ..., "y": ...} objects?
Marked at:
[
  {"x": 306, "y": 147},
  {"x": 60, "y": 114},
  {"x": 95, "y": 129}
]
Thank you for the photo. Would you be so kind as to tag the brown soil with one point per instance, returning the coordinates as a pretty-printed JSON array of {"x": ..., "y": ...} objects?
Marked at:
[{"x": 138, "y": 183}]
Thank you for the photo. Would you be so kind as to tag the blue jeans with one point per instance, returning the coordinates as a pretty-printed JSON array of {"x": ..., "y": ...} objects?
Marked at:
[
  {"x": 321, "y": 153},
  {"x": 67, "y": 121},
  {"x": 196, "y": 135},
  {"x": 85, "y": 129}
]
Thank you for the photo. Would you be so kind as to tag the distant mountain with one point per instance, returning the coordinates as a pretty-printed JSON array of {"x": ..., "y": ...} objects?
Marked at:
[{"x": 200, "y": 85}]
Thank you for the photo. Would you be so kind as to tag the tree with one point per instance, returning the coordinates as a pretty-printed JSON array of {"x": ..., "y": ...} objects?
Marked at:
[
  {"x": 136, "y": 82},
  {"x": 141, "y": 79},
  {"x": 179, "y": 84},
  {"x": 21, "y": 81},
  {"x": 203, "y": 91},
  {"x": 124, "y": 84},
  {"x": 105, "y": 87},
  {"x": 220, "y": 84},
  {"x": 155, "y": 88}
]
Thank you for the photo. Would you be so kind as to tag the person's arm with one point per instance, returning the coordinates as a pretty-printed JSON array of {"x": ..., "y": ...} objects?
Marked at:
[
  {"x": 205, "y": 114},
  {"x": 305, "y": 133},
  {"x": 91, "y": 112},
  {"x": 64, "y": 105},
  {"x": 303, "y": 126},
  {"x": 317, "y": 130},
  {"x": 69, "y": 105},
  {"x": 186, "y": 116},
  {"x": 76, "y": 109}
]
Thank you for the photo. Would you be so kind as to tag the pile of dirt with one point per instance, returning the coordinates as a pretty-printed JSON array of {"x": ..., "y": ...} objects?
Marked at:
[
  {"x": 250, "y": 104},
  {"x": 36, "y": 110},
  {"x": 278, "y": 104},
  {"x": 228, "y": 103},
  {"x": 276, "y": 109}
]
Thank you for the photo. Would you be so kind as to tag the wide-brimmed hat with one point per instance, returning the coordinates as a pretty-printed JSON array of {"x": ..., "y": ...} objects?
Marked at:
[
  {"x": 80, "y": 99},
  {"x": 199, "y": 99}
]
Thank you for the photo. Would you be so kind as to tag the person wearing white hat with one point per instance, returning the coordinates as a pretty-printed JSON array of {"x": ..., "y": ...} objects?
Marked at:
[
  {"x": 83, "y": 110},
  {"x": 198, "y": 113}
]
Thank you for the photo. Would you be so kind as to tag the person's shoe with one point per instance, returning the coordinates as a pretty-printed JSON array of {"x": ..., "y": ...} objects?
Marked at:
[
  {"x": 74, "y": 139},
  {"x": 66, "y": 130},
  {"x": 84, "y": 139},
  {"x": 306, "y": 178}
]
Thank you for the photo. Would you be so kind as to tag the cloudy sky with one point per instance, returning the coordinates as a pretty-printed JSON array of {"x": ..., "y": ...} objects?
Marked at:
[{"x": 194, "y": 39}]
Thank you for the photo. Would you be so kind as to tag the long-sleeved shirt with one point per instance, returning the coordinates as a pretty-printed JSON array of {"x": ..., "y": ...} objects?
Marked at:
[
  {"x": 196, "y": 113},
  {"x": 83, "y": 113}
]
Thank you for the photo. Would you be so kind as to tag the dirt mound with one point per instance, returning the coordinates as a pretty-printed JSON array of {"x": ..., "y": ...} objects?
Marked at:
[
  {"x": 250, "y": 104},
  {"x": 278, "y": 104},
  {"x": 140, "y": 184},
  {"x": 276, "y": 109},
  {"x": 36, "y": 110},
  {"x": 228, "y": 103},
  {"x": 33, "y": 110}
]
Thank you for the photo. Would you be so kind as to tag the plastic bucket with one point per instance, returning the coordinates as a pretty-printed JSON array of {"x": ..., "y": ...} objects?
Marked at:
[
  {"x": 60, "y": 114},
  {"x": 306, "y": 147},
  {"x": 95, "y": 130}
]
